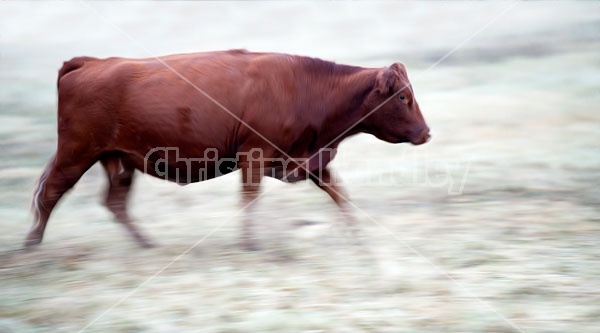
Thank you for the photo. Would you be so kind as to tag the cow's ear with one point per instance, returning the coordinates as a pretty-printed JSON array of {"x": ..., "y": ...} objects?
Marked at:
[
  {"x": 399, "y": 68},
  {"x": 385, "y": 81}
]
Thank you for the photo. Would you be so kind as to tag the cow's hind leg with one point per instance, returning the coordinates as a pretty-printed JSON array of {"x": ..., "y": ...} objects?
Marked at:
[
  {"x": 58, "y": 177},
  {"x": 120, "y": 178}
]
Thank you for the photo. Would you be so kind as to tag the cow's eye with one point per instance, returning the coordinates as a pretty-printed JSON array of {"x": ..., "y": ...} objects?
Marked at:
[{"x": 402, "y": 97}]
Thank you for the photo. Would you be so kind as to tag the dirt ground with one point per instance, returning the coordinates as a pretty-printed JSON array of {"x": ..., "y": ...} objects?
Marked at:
[{"x": 493, "y": 226}]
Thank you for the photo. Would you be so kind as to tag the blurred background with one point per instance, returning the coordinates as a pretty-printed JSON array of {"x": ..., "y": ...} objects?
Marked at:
[{"x": 493, "y": 226}]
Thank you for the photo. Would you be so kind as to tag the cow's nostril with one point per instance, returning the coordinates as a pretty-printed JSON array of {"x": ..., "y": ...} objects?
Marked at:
[
  {"x": 422, "y": 137},
  {"x": 427, "y": 133}
]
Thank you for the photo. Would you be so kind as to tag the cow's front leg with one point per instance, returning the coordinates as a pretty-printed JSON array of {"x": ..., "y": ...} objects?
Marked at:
[
  {"x": 326, "y": 181},
  {"x": 251, "y": 178}
]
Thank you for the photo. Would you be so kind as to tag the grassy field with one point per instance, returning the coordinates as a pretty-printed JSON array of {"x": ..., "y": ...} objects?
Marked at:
[{"x": 493, "y": 226}]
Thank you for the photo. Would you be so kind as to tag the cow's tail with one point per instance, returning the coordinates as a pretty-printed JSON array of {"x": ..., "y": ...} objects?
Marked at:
[
  {"x": 39, "y": 187},
  {"x": 71, "y": 65}
]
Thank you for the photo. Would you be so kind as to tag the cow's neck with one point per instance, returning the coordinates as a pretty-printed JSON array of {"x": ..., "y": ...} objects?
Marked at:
[{"x": 345, "y": 109}]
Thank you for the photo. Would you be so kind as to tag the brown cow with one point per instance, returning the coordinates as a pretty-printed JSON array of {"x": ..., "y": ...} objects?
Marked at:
[{"x": 192, "y": 117}]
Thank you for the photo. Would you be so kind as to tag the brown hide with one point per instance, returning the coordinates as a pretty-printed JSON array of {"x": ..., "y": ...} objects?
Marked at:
[{"x": 192, "y": 117}]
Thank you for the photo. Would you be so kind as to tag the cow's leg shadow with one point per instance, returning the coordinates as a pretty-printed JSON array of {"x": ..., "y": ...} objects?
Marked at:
[{"x": 120, "y": 179}]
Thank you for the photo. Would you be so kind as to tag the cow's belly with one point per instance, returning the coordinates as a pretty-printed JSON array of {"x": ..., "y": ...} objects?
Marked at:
[
  {"x": 286, "y": 175},
  {"x": 169, "y": 165},
  {"x": 184, "y": 169}
]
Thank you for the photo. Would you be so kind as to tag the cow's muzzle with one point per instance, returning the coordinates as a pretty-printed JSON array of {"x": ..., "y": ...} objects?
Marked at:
[{"x": 422, "y": 137}]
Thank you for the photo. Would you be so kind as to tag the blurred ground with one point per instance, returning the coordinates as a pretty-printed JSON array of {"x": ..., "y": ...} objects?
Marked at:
[{"x": 515, "y": 122}]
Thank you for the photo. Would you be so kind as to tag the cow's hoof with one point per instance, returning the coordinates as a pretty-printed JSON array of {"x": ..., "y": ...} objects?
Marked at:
[
  {"x": 250, "y": 247},
  {"x": 146, "y": 244},
  {"x": 30, "y": 242}
]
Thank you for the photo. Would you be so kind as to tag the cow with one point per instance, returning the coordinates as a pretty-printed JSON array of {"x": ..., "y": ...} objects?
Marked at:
[{"x": 192, "y": 117}]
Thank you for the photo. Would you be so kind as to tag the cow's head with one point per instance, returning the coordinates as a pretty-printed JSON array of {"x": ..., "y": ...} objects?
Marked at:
[{"x": 398, "y": 117}]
